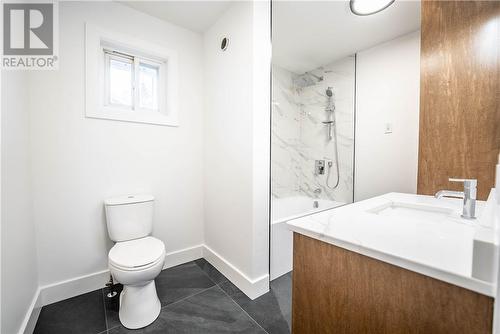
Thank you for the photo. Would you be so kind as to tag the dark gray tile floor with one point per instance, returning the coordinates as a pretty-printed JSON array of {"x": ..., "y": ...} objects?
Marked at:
[{"x": 195, "y": 298}]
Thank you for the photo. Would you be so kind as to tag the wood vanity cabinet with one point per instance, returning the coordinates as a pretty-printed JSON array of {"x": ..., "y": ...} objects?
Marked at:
[{"x": 339, "y": 291}]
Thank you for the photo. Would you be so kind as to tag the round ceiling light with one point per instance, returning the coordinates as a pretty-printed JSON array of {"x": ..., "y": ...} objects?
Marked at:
[{"x": 369, "y": 7}]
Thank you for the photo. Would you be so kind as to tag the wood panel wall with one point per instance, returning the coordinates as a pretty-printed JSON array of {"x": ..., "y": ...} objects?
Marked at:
[
  {"x": 342, "y": 292},
  {"x": 459, "y": 94}
]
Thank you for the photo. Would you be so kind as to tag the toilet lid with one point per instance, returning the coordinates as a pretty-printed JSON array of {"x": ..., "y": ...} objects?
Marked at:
[{"x": 136, "y": 253}]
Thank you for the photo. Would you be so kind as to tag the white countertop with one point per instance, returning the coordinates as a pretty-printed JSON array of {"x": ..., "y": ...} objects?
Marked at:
[{"x": 440, "y": 247}]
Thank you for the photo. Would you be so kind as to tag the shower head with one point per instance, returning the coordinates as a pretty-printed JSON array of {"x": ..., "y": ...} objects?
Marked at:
[
  {"x": 314, "y": 76},
  {"x": 307, "y": 79},
  {"x": 329, "y": 92}
]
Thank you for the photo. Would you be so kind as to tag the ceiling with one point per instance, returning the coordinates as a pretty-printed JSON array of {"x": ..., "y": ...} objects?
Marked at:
[
  {"x": 309, "y": 34},
  {"x": 193, "y": 15}
]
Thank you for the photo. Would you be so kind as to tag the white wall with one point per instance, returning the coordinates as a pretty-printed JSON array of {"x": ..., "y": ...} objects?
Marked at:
[
  {"x": 66, "y": 164},
  {"x": 387, "y": 91},
  {"x": 78, "y": 162},
  {"x": 19, "y": 260},
  {"x": 237, "y": 141},
  {"x": 261, "y": 66}
]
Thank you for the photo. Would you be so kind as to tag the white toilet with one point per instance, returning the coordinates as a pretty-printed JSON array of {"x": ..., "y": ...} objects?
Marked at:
[{"x": 136, "y": 258}]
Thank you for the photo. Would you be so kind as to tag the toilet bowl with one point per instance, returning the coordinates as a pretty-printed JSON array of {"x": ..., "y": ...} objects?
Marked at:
[
  {"x": 135, "y": 264},
  {"x": 136, "y": 259}
]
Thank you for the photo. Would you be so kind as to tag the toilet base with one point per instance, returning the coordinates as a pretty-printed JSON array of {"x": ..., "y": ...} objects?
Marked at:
[{"x": 139, "y": 305}]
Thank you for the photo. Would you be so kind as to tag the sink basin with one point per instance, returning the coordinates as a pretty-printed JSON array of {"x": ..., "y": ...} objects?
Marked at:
[
  {"x": 410, "y": 210},
  {"x": 417, "y": 232},
  {"x": 443, "y": 238}
]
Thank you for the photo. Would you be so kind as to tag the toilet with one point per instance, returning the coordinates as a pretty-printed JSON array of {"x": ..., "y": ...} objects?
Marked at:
[{"x": 136, "y": 259}]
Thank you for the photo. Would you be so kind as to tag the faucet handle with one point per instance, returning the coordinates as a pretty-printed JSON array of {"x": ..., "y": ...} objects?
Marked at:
[{"x": 468, "y": 183}]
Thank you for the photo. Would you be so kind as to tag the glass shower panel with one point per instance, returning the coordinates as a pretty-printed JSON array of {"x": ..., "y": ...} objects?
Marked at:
[
  {"x": 313, "y": 133},
  {"x": 312, "y": 147}
]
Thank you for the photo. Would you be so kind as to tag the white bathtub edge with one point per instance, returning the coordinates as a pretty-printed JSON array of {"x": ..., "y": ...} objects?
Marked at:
[{"x": 306, "y": 213}]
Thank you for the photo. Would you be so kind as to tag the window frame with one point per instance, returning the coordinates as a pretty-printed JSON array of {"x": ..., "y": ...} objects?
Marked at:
[
  {"x": 100, "y": 45},
  {"x": 136, "y": 62}
]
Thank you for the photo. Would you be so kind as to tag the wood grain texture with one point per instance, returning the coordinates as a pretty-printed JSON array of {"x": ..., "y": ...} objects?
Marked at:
[
  {"x": 459, "y": 94},
  {"x": 339, "y": 291}
]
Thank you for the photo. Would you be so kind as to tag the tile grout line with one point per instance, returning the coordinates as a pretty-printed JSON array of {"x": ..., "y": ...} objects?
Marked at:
[
  {"x": 117, "y": 327},
  {"x": 234, "y": 301},
  {"x": 210, "y": 278},
  {"x": 218, "y": 284},
  {"x": 177, "y": 301},
  {"x": 183, "y": 299}
]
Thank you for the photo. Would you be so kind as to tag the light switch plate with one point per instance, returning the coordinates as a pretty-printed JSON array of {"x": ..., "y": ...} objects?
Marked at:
[{"x": 388, "y": 128}]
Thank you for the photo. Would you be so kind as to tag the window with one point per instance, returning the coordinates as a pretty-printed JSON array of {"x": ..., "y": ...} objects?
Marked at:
[
  {"x": 129, "y": 80},
  {"x": 119, "y": 80},
  {"x": 148, "y": 85}
]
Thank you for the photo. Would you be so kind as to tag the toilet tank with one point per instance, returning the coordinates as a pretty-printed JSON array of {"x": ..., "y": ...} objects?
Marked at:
[{"x": 129, "y": 217}]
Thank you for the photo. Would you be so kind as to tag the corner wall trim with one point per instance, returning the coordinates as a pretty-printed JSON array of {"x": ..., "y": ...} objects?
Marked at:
[
  {"x": 31, "y": 317},
  {"x": 252, "y": 288}
]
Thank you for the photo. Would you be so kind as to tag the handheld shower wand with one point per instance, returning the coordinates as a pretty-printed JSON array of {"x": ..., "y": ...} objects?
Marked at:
[{"x": 332, "y": 127}]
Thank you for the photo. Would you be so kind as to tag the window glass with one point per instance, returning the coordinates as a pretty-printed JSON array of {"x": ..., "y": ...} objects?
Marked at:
[
  {"x": 148, "y": 86},
  {"x": 120, "y": 81}
]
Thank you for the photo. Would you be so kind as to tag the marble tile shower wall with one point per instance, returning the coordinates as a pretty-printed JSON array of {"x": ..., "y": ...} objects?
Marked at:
[
  {"x": 299, "y": 137},
  {"x": 285, "y": 138}
]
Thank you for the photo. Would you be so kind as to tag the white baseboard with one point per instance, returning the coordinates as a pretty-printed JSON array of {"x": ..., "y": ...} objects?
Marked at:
[
  {"x": 252, "y": 288},
  {"x": 29, "y": 322},
  {"x": 79, "y": 285},
  {"x": 58, "y": 291},
  {"x": 182, "y": 256}
]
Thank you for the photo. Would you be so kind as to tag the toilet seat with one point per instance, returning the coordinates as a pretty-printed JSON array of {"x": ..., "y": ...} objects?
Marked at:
[
  {"x": 137, "y": 254},
  {"x": 137, "y": 269}
]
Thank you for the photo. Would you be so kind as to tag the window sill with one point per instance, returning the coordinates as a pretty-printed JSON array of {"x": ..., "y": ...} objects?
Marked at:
[{"x": 147, "y": 117}]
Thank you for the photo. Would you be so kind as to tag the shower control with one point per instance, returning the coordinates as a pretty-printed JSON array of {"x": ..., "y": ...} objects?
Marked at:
[{"x": 319, "y": 167}]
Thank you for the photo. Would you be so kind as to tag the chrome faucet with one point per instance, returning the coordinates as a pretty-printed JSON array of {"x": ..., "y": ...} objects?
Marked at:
[{"x": 469, "y": 196}]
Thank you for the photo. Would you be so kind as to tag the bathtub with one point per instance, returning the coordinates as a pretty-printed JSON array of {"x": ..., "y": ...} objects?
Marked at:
[{"x": 283, "y": 210}]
